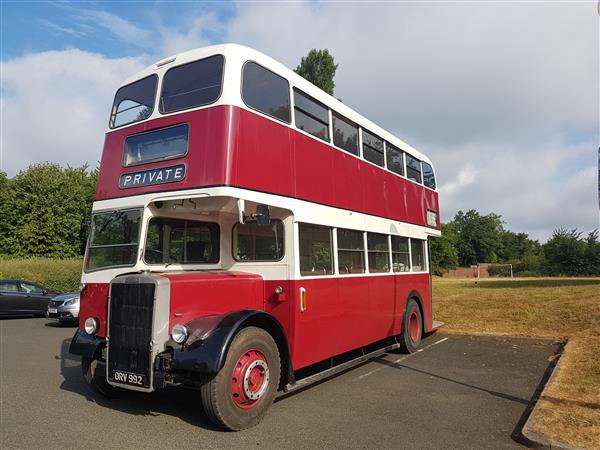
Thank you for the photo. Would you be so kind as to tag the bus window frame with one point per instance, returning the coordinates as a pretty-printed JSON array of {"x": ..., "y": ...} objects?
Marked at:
[
  {"x": 162, "y": 82},
  {"x": 148, "y": 161},
  {"x": 195, "y": 263},
  {"x": 242, "y": 261},
  {"x": 88, "y": 243},
  {"x": 258, "y": 110},
  {"x": 110, "y": 118}
]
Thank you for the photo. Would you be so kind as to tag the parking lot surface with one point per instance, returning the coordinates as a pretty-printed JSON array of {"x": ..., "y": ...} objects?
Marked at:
[{"x": 459, "y": 392}]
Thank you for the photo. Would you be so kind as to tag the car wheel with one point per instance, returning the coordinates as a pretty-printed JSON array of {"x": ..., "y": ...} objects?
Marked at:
[
  {"x": 412, "y": 328},
  {"x": 98, "y": 382},
  {"x": 239, "y": 395}
]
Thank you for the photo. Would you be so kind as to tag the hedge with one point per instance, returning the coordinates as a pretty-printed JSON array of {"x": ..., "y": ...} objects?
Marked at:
[{"x": 58, "y": 275}]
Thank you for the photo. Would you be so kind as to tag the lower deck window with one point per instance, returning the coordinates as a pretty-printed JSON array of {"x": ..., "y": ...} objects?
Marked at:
[
  {"x": 400, "y": 254},
  {"x": 254, "y": 242},
  {"x": 379, "y": 252},
  {"x": 316, "y": 250},
  {"x": 417, "y": 253},
  {"x": 181, "y": 241},
  {"x": 351, "y": 251}
]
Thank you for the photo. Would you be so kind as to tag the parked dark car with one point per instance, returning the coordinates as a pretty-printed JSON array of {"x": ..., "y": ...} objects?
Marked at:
[{"x": 23, "y": 298}]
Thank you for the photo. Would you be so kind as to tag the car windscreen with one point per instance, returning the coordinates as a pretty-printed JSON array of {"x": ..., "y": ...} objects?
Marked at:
[
  {"x": 113, "y": 239},
  {"x": 134, "y": 102}
]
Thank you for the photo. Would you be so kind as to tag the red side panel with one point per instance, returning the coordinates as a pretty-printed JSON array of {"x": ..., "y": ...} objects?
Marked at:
[
  {"x": 262, "y": 158},
  {"x": 206, "y": 161},
  {"x": 343, "y": 314},
  {"x": 196, "y": 294},
  {"x": 235, "y": 147},
  {"x": 93, "y": 302}
]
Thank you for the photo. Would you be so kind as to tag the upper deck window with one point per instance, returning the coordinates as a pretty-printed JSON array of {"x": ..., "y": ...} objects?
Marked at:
[
  {"x": 191, "y": 85},
  {"x": 372, "y": 148},
  {"x": 134, "y": 102},
  {"x": 428, "y": 176},
  {"x": 158, "y": 145},
  {"x": 311, "y": 116},
  {"x": 413, "y": 168},
  {"x": 345, "y": 134},
  {"x": 395, "y": 161},
  {"x": 266, "y": 91}
]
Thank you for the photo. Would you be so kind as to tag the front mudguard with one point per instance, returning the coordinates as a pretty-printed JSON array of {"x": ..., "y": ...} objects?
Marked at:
[
  {"x": 214, "y": 335},
  {"x": 86, "y": 345}
]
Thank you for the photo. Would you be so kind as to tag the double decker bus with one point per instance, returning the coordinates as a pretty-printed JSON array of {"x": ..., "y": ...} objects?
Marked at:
[{"x": 250, "y": 234}]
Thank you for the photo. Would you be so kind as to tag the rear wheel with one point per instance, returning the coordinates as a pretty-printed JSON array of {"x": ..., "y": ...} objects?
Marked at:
[
  {"x": 97, "y": 381},
  {"x": 412, "y": 328},
  {"x": 240, "y": 394}
]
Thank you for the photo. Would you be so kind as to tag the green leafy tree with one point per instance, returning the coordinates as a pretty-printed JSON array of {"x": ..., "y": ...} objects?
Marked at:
[
  {"x": 319, "y": 68},
  {"x": 43, "y": 209},
  {"x": 443, "y": 250},
  {"x": 565, "y": 252},
  {"x": 479, "y": 237}
]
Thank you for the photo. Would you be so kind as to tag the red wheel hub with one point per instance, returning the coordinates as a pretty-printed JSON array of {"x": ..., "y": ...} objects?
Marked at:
[
  {"x": 249, "y": 379},
  {"x": 414, "y": 326}
]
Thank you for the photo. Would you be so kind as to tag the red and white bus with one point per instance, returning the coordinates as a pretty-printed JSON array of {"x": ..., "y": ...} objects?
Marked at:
[{"x": 250, "y": 235}]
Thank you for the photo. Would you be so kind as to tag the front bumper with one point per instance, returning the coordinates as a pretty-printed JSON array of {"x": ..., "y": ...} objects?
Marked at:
[{"x": 65, "y": 314}]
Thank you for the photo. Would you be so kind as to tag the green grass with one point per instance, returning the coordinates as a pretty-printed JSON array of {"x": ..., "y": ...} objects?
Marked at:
[{"x": 58, "y": 275}]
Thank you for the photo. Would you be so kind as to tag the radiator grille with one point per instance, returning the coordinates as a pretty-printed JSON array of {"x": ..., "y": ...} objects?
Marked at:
[{"x": 130, "y": 328}]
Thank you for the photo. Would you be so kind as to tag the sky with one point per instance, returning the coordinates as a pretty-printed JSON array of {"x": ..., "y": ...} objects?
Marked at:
[{"x": 502, "y": 96}]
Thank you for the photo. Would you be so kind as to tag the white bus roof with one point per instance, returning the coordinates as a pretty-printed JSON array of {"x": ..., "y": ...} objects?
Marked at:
[{"x": 238, "y": 54}]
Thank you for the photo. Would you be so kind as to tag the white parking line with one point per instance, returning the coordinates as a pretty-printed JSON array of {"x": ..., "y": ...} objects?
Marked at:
[{"x": 401, "y": 359}]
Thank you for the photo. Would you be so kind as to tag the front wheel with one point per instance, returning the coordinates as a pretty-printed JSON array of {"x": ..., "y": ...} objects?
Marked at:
[
  {"x": 240, "y": 394},
  {"x": 412, "y": 328},
  {"x": 98, "y": 382}
]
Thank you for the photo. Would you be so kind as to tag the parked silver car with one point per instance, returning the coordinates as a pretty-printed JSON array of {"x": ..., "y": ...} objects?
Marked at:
[{"x": 64, "y": 308}]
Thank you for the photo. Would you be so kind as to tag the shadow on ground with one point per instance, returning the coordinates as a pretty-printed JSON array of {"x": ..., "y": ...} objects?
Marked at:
[{"x": 179, "y": 402}]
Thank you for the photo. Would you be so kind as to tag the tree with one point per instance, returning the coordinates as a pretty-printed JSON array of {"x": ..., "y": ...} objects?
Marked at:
[
  {"x": 42, "y": 210},
  {"x": 319, "y": 68},
  {"x": 592, "y": 254},
  {"x": 443, "y": 250},
  {"x": 565, "y": 253},
  {"x": 479, "y": 237}
]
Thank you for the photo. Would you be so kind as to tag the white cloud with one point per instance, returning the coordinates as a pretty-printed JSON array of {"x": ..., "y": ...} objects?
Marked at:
[
  {"x": 123, "y": 29},
  {"x": 502, "y": 97},
  {"x": 55, "y": 106}
]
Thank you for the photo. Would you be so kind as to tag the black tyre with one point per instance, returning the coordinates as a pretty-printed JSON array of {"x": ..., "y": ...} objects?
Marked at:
[
  {"x": 98, "y": 381},
  {"x": 239, "y": 396},
  {"x": 412, "y": 328}
]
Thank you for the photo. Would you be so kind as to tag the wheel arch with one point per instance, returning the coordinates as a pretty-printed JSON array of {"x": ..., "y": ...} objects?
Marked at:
[
  {"x": 208, "y": 355},
  {"x": 414, "y": 295}
]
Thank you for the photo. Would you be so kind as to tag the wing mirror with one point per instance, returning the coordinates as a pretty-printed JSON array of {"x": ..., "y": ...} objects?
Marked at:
[{"x": 263, "y": 215}]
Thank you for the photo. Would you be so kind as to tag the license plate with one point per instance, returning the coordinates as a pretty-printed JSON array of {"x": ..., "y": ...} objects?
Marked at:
[
  {"x": 132, "y": 379},
  {"x": 52, "y": 310}
]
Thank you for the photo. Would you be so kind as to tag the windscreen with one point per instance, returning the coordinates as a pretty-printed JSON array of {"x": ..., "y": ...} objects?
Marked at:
[
  {"x": 113, "y": 239},
  {"x": 134, "y": 102},
  {"x": 181, "y": 241}
]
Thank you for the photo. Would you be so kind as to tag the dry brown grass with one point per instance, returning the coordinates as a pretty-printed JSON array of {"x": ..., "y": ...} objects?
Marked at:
[
  {"x": 536, "y": 307},
  {"x": 560, "y": 308},
  {"x": 569, "y": 410}
]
